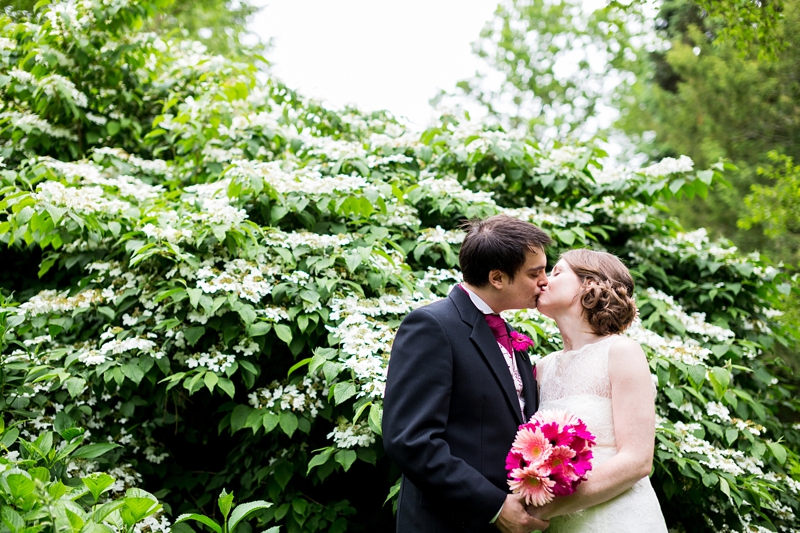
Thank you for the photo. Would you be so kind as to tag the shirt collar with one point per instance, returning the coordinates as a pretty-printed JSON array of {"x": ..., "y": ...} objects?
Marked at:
[{"x": 482, "y": 306}]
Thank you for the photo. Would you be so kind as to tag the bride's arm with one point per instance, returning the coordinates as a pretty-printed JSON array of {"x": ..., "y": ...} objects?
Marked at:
[{"x": 632, "y": 404}]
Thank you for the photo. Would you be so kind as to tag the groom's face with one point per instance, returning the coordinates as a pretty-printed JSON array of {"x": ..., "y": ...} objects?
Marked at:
[{"x": 523, "y": 291}]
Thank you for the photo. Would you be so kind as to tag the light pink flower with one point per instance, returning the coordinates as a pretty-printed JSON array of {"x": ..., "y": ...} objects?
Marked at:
[
  {"x": 531, "y": 444},
  {"x": 534, "y": 485},
  {"x": 562, "y": 418}
]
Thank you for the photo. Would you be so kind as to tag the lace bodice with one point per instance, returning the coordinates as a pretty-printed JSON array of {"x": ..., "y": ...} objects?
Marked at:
[{"x": 577, "y": 381}]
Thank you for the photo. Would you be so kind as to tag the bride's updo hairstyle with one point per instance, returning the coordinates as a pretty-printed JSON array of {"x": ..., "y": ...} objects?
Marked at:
[{"x": 606, "y": 291}]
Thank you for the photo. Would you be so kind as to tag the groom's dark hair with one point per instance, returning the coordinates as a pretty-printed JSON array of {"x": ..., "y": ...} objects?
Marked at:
[{"x": 498, "y": 243}]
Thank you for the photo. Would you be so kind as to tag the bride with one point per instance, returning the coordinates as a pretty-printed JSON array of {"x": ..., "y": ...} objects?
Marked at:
[{"x": 604, "y": 379}]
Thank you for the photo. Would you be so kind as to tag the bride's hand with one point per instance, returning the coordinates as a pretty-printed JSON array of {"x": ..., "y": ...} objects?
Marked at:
[{"x": 544, "y": 512}]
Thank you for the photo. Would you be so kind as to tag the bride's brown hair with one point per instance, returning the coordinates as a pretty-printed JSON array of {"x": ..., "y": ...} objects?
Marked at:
[{"x": 606, "y": 292}]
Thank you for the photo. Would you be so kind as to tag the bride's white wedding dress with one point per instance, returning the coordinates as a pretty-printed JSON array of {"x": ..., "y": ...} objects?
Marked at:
[{"x": 577, "y": 382}]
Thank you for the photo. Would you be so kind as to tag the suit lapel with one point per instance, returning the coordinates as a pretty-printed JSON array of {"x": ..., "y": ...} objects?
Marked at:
[{"x": 483, "y": 339}]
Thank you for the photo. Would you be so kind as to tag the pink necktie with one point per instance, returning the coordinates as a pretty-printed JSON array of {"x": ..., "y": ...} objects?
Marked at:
[{"x": 498, "y": 327}]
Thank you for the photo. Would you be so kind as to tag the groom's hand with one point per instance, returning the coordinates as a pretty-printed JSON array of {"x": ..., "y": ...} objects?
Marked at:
[{"x": 515, "y": 519}]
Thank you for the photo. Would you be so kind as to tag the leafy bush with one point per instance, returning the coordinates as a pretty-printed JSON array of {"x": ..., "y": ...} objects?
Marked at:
[{"x": 225, "y": 314}]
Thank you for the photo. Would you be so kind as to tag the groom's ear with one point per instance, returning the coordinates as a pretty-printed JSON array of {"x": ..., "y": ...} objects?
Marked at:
[{"x": 498, "y": 279}]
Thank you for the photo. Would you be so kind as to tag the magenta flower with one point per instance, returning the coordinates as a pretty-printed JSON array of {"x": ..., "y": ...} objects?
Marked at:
[
  {"x": 582, "y": 463},
  {"x": 520, "y": 341},
  {"x": 556, "y": 435},
  {"x": 515, "y": 460}
]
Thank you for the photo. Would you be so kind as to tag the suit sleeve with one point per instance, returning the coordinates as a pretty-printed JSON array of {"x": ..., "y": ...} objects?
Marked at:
[{"x": 415, "y": 412}]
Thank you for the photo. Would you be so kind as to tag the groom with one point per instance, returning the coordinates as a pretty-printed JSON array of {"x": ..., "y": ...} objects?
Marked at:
[{"x": 457, "y": 390}]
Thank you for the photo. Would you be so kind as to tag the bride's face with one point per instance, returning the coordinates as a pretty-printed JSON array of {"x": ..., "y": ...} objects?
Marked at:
[{"x": 560, "y": 293}]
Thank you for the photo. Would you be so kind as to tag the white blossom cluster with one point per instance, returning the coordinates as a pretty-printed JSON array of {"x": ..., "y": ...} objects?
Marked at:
[
  {"x": 403, "y": 140},
  {"x": 169, "y": 234},
  {"x": 304, "y": 397},
  {"x": 450, "y": 188},
  {"x": 549, "y": 215},
  {"x": 669, "y": 165},
  {"x": 365, "y": 345},
  {"x": 386, "y": 304},
  {"x": 315, "y": 241},
  {"x": 333, "y": 149},
  {"x": 215, "y": 361},
  {"x": 731, "y": 461},
  {"x": 240, "y": 277},
  {"x": 672, "y": 347},
  {"x": 215, "y": 207},
  {"x": 51, "y": 301},
  {"x": 57, "y": 85},
  {"x": 471, "y": 137},
  {"x": 349, "y": 435},
  {"x": 28, "y": 122},
  {"x": 559, "y": 158},
  {"x": 435, "y": 276},
  {"x": 85, "y": 200},
  {"x": 116, "y": 347},
  {"x": 438, "y": 235},
  {"x": 399, "y": 215},
  {"x": 694, "y": 322},
  {"x": 156, "y": 523}
]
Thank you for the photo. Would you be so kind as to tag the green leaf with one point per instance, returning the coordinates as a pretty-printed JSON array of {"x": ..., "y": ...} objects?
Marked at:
[
  {"x": 12, "y": 519},
  {"x": 320, "y": 459},
  {"x": 566, "y": 236},
  {"x": 132, "y": 372},
  {"x": 697, "y": 375},
  {"x": 731, "y": 434},
  {"x": 199, "y": 518},
  {"x": 225, "y": 503},
  {"x": 194, "y": 296},
  {"x": 244, "y": 510},
  {"x": 239, "y": 417},
  {"x": 92, "y": 451},
  {"x": 723, "y": 486},
  {"x": 299, "y": 364},
  {"x": 227, "y": 385},
  {"x": 346, "y": 458},
  {"x": 9, "y": 437},
  {"x": 376, "y": 418},
  {"x": 97, "y": 483},
  {"x": 193, "y": 334},
  {"x": 20, "y": 486},
  {"x": 288, "y": 422},
  {"x": 343, "y": 391},
  {"x": 259, "y": 328},
  {"x": 75, "y": 520},
  {"x": 270, "y": 421},
  {"x": 75, "y": 386},
  {"x": 210, "y": 379},
  {"x": 778, "y": 451},
  {"x": 284, "y": 333}
]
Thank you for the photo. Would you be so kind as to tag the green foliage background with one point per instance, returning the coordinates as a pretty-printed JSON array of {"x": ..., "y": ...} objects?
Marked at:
[{"x": 207, "y": 270}]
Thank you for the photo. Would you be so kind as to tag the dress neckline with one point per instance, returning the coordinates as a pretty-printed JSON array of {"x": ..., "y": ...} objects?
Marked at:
[{"x": 578, "y": 350}]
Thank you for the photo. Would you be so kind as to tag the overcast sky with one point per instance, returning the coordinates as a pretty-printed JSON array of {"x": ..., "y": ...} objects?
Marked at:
[{"x": 377, "y": 54}]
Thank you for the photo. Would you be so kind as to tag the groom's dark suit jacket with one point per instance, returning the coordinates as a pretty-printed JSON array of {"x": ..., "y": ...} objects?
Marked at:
[{"x": 450, "y": 414}]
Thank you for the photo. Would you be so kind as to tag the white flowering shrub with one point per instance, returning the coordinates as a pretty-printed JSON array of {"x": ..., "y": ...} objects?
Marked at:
[{"x": 207, "y": 270}]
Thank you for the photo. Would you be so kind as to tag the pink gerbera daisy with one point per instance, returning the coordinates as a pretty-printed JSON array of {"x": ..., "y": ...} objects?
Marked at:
[
  {"x": 562, "y": 418},
  {"x": 515, "y": 460},
  {"x": 531, "y": 444},
  {"x": 582, "y": 462},
  {"x": 556, "y": 435},
  {"x": 534, "y": 485}
]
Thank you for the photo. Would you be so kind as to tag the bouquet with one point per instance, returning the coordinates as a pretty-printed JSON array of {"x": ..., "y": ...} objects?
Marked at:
[{"x": 550, "y": 456}]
